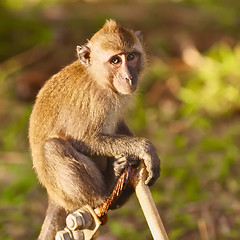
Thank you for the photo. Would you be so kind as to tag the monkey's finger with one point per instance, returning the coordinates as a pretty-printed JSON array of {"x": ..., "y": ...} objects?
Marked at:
[
  {"x": 150, "y": 180},
  {"x": 120, "y": 160},
  {"x": 152, "y": 176},
  {"x": 153, "y": 171}
]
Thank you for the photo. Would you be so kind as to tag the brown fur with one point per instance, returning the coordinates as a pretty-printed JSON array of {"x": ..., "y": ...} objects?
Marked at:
[
  {"x": 77, "y": 131},
  {"x": 115, "y": 37}
]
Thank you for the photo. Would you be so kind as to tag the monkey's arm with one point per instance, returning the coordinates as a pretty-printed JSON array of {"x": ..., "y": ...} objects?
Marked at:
[
  {"x": 122, "y": 163},
  {"x": 123, "y": 146},
  {"x": 130, "y": 146}
]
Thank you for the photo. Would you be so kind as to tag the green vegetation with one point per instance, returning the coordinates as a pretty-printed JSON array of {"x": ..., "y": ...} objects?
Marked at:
[
  {"x": 214, "y": 87},
  {"x": 189, "y": 111}
]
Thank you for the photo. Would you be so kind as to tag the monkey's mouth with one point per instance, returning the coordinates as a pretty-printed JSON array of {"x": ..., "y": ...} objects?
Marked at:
[
  {"x": 124, "y": 85},
  {"x": 127, "y": 88}
]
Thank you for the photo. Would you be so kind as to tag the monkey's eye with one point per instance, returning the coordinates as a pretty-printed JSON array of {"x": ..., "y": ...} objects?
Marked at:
[
  {"x": 115, "y": 60},
  {"x": 130, "y": 56}
]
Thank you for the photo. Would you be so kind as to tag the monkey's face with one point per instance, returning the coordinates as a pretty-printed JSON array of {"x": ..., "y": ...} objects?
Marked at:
[
  {"x": 116, "y": 70},
  {"x": 114, "y": 57},
  {"x": 124, "y": 69}
]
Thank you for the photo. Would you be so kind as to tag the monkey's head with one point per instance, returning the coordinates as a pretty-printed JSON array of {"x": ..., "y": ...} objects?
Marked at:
[{"x": 114, "y": 57}]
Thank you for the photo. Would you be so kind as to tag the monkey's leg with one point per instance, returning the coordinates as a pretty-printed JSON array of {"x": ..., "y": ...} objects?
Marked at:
[
  {"x": 53, "y": 222},
  {"x": 73, "y": 178}
]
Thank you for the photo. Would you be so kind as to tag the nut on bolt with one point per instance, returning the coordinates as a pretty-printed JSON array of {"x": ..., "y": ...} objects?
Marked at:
[
  {"x": 63, "y": 235},
  {"x": 80, "y": 219}
]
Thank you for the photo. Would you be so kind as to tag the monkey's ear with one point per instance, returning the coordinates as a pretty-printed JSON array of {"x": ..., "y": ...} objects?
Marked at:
[
  {"x": 139, "y": 35},
  {"x": 83, "y": 53}
]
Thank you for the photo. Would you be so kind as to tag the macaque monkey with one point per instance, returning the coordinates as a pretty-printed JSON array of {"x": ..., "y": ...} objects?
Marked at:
[{"x": 79, "y": 140}]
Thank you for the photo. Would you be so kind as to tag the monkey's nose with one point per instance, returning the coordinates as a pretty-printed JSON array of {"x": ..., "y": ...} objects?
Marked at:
[{"x": 129, "y": 80}]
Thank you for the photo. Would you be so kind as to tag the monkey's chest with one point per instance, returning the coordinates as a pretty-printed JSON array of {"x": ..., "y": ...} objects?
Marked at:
[
  {"x": 110, "y": 124},
  {"x": 109, "y": 128}
]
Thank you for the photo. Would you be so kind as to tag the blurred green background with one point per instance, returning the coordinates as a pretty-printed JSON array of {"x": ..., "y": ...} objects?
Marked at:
[{"x": 188, "y": 105}]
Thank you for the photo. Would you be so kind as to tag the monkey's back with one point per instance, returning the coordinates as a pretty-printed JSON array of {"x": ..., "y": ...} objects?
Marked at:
[
  {"x": 61, "y": 96},
  {"x": 70, "y": 105}
]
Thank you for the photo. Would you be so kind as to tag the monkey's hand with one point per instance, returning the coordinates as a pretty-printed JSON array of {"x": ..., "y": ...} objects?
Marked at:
[
  {"x": 122, "y": 163},
  {"x": 151, "y": 161}
]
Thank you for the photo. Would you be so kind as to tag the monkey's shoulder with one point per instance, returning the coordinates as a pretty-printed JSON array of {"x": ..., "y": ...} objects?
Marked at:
[
  {"x": 72, "y": 73},
  {"x": 63, "y": 84}
]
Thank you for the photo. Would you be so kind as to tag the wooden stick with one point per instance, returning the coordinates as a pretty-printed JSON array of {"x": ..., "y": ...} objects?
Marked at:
[
  {"x": 137, "y": 179},
  {"x": 148, "y": 206}
]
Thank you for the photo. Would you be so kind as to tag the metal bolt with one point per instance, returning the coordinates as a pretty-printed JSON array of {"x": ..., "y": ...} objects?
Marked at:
[
  {"x": 80, "y": 219},
  {"x": 63, "y": 235},
  {"x": 78, "y": 235},
  {"x": 75, "y": 221}
]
